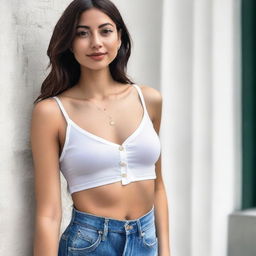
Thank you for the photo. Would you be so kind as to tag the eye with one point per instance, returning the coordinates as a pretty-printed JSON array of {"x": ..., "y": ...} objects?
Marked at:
[
  {"x": 82, "y": 33},
  {"x": 107, "y": 31}
]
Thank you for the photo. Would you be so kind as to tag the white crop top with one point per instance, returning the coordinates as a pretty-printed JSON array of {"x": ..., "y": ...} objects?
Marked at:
[{"x": 89, "y": 161}]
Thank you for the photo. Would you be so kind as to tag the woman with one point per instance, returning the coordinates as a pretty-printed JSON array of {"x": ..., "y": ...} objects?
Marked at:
[{"x": 102, "y": 131}]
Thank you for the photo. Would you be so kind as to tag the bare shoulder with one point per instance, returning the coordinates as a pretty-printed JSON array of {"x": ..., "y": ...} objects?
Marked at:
[
  {"x": 47, "y": 111},
  {"x": 153, "y": 100},
  {"x": 151, "y": 94},
  {"x": 46, "y": 108}
]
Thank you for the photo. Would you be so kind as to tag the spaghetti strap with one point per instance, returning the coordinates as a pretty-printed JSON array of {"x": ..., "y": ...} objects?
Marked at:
[
  {"x": 141, "y": 97},
  {"x": 62, "y": 108}
]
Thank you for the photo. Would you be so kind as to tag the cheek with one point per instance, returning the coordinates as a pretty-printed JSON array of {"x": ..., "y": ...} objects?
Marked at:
[
  {"x": 80, "y": 46},
  {"x": 111, "y": 46},
  {"x": 111, "y": 42}
]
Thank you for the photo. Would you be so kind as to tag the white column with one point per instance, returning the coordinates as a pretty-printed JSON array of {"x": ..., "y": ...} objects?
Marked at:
[
  {"x": 201, "y": 112},
  {"x": 201, "y": 122},
  {"x": 176, "y": 86},
  {"x": 226, "y": 119}
]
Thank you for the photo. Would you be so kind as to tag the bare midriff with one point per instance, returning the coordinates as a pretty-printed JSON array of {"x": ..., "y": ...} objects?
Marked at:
[{"x": 117, "y": 201}]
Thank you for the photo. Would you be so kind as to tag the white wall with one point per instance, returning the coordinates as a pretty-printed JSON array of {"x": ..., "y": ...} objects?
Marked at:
[{"x": 26, "y": 27}]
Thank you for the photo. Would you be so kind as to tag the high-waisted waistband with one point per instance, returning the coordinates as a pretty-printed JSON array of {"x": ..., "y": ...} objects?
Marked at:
[{"x": 107, "y": 224}]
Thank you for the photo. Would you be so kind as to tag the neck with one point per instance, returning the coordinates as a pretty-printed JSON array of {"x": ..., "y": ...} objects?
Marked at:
[{"x": 96, "y": 84}]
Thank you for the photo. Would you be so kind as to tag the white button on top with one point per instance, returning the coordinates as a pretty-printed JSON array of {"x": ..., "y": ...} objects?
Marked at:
[
  {"x": 121, "y": 148},
  {"x": 122, "y": 163}
]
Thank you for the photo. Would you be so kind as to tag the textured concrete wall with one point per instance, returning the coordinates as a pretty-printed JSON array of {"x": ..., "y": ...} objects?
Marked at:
[{"x": 26, "y": 28}]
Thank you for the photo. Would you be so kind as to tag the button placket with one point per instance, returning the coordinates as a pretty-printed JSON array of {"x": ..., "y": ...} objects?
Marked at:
[
  {"x": 121, "y": 148},
  {"x": 123, "y": 164}
]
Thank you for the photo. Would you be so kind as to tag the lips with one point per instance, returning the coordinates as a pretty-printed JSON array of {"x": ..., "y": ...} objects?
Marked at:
[
  {"x": 97, "y": 57},
  {"x": 97, "y": 54}
]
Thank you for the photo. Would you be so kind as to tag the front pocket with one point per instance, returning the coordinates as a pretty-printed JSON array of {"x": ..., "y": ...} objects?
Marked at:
[
  {"x": 85, "y": 240},
  {"x": 149, "y": 238}
]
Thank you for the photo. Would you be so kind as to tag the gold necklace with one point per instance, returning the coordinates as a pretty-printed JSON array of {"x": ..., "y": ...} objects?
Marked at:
[{"x": 111, "y": 121}]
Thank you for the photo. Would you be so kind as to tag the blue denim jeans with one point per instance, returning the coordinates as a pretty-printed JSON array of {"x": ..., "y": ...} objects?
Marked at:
[{"x": 89, "y": 234}]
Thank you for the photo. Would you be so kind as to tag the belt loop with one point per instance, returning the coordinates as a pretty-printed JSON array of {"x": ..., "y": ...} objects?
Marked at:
[
  {"x": 105, "y": 229},
  {"x": 139, "y": 227}
]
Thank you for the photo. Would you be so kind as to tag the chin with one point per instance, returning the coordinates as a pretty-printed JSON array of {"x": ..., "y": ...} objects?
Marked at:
[{"x": 95, "y": 67}]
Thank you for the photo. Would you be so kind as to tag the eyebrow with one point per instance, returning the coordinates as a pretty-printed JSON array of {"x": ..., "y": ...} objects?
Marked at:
[{"x": 102, "y": 25}]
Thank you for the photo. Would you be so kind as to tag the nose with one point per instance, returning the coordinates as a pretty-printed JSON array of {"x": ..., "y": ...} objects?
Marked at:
[{"x": 95, "y": 41}]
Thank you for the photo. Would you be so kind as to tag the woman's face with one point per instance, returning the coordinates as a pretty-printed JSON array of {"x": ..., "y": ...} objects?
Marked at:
[{"x": 95, "y": 33}]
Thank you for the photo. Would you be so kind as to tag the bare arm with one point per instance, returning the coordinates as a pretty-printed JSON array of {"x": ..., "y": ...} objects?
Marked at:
[
  {"x": 161, "y": 204},
  {"x": 162, "y": 214},
  {"x": 45, "y": 151}
]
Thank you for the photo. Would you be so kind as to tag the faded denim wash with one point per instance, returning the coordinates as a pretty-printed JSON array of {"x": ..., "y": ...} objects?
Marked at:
[{"x": 89, "y": 234}]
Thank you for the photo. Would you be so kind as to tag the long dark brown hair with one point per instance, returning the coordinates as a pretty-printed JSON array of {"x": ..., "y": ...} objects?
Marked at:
[{"x": 65, "y": 70}]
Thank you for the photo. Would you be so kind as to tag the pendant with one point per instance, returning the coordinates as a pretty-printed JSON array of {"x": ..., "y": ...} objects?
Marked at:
[{"x": 112, "y": 122}]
